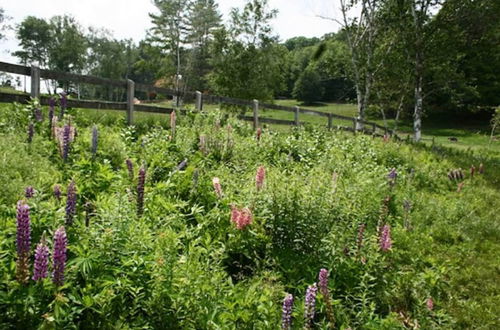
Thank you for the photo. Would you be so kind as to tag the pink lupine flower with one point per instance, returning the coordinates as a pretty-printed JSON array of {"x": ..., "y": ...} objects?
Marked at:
[
  {"x": 430, "y": 304},
  {"x": 217, "y": 187},
  {"x": 241, "y": 218},
  {"x": 385, "y": 238},
  {"x": 323, "y": 288},
  {"x": 260, "y": 177}
]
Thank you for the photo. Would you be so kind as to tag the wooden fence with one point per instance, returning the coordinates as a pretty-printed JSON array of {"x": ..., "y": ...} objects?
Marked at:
[{"x": 36, "y": 74}]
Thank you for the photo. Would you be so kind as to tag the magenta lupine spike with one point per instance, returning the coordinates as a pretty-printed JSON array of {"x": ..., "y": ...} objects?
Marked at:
[
  {"x": 29, "y": 192},
  {"x": 31, "y": 132},
  {"x": 310, "y": 305},
  {"x": 286, "y": 315},
  {"x": 385, "y": 238},
  {"x": 66, "y": 141},
  {"x": 130, "y": 168},
  {"x": 57, "y": 192},
  {"x": 70, "y": 203},
  {"x": 59, "y": 256},
  {"x": 217, "y": 187},
  {"x": 323, "y": 281},
  {"x": 260, "y": 177},
  {"x": 40, "y": 268},
  {"x": 95, "y": 139},
  {"x": 429, "y": 303},
  {"x": 23, "y": 243},
  {"x": 323, "y": 288},
  {"x": 140, "y": 190},
  {"x": 64, "y": 104}
]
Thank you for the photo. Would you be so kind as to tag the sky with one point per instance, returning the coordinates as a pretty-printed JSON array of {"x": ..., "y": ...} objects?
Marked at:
[{"x": 129, "y": 18}]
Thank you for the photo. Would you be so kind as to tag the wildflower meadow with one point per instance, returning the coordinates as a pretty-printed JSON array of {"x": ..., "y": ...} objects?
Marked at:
[{"x": 196, "y": 221}]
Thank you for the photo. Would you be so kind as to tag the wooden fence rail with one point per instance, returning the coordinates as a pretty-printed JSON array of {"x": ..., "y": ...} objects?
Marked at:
[{"x": 199, "y": 99}]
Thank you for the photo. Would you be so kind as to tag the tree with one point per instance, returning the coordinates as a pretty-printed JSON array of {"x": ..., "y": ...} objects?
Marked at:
[
  {"x": 203, "y": 19},
  {"x": 308, "y": 88},
  {"x": 170, "y": 30},
  {"x": 3, "y": 23},
  {"x": 247, "y": 61},
  {"x": 35, "y": 39}
]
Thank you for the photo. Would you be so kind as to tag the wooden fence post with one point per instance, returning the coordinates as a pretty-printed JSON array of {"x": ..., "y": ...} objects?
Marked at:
[
  {"x": 330, "y": 121},
  {"x": 35, "y": 81},
  {"x": 130, "y": 102},
  {"x": 199, "y": 101},
  {"x": 296, "y": 116},
  {"x": 255, "y": 114}
]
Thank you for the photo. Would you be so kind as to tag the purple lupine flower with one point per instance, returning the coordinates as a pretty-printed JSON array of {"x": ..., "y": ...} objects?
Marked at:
[
  {"x": 310, "y": 305},
  {"x": 40, "y": 268},
  {"x": 29, "y": 192},
  {"x": 52, "y": 104},
  {"x": 23, "y": 243},
  {"x": 181, "y": 165},
  {"x": 64, "y": 104},
  {"x": 95, "y": 138},
  {"x": 57, "y": 192},
  {"x": 66, "y": 141},
  {"x": 130, "y": 168},
  {"x": 140, "y": 190},
  {"x": 70, "y": 203},
  {"x": 392, "y": 176},
  {"x": 385, "y": 238},
  {"x": 31, "y": 132},
  {"x": 286, "y": 315},
  {"x": 59, "y": 256}
]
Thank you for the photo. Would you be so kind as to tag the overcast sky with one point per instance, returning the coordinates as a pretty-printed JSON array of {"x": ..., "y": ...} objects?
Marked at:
[{"x": 129, "y": 18}]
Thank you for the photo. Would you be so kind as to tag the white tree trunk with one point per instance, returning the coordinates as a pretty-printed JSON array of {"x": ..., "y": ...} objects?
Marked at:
[{"x": 417, "y": 116}]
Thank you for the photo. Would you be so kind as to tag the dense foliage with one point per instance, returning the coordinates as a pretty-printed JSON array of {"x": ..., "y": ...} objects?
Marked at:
[{"x": 194, "y": 221}]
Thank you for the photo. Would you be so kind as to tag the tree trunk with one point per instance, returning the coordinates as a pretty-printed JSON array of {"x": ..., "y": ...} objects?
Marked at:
[{"x": 417, "y": 116}]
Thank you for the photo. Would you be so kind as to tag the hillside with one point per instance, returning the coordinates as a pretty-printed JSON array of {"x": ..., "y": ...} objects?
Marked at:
[{"x": 406, "y": 243}]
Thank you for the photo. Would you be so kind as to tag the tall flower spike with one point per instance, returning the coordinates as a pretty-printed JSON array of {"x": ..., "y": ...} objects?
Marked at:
[
  {"x": 70, "y": 203},
  {"x": 52, "y": 104},
  {"x": 260, "y": 177},
  {"x": 59, "y": 256},
  {"x": 66, "y": 141},
  {"x": 323, "y": 288},
  {"x": 140, "y": 190},
  {"x": 385, "y": 238},
  {"x": 429, "y": 303},
  {"x": 217, "y": 187},
  {"x": 286, "y": 315},
  {"x": 31, "y": 132},
  {"x": 23, "y": 243},
  {"x": 392, "y": 177},
  {"x": 130, "y": 168},
  {"x": 95, "y": 140},
  {"x": 310, "y": 305},
  {"x": 40, "y": 268}
]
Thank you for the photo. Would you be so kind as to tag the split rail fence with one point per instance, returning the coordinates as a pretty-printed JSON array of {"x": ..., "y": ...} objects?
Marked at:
[{"x": 131, "y": 87}]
